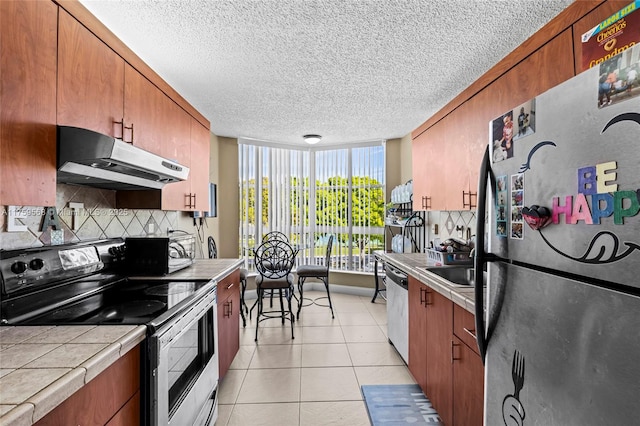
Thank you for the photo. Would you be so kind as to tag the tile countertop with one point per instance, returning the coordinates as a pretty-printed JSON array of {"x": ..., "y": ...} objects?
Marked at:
[
  {"x": 414, "y": 264},
  {"x": 202, "y": 269},
  {"x": 41, "y": 366}
]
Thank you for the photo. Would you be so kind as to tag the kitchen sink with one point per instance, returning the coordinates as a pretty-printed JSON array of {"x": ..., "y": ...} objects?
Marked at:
[{"x": 458, "y": 276}]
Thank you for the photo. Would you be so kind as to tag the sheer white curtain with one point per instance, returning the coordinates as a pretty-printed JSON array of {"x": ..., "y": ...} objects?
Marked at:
[{"x": 311, "y": 194}]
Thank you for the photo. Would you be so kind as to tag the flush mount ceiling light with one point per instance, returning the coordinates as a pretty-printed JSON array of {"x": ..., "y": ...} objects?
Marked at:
[{"x": 312, "y": 139}]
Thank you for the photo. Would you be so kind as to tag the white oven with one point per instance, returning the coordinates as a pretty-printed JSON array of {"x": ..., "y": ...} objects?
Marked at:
[{"x": 184, "y": 366}]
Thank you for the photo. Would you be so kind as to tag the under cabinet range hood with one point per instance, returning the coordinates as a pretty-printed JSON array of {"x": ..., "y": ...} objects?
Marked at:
[{"x": 92, "y": 159}]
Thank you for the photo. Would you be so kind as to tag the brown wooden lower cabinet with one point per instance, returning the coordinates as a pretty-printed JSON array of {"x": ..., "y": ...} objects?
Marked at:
[
  {"x": 468, "y": 385},
  {"x": 417, "y": 335},
  {"x": 129, "y": 414},
  {"x": 468, "y": 371},
  {"x": 439, "y": 373},
  {"x": 228, "y": 320},
  {"x": 448, "y": 369},
  {"x": 113, "y": 397}
]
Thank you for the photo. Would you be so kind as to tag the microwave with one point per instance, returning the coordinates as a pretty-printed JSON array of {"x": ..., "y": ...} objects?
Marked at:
[{"x": 159, "y": 255}]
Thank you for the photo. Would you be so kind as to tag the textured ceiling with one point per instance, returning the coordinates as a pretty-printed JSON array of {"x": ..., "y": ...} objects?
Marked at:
[{"x": 349, "y": 70}]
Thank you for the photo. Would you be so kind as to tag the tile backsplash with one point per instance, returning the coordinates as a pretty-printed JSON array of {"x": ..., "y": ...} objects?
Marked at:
[
  {"x": 99, "y": 218},
  {"x": 450, "y": 223}
]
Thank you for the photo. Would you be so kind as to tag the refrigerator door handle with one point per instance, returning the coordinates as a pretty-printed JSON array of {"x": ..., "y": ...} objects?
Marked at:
[{"x": 480, "y": 256}]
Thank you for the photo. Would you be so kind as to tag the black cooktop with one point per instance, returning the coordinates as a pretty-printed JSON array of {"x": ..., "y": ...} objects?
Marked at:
[
  {"x": 86, "y": 283},
  {"x": 123, "y": 302}
]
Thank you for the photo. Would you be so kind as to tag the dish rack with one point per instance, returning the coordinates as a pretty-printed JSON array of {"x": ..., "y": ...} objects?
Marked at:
[{"x": 447, "y": 258}]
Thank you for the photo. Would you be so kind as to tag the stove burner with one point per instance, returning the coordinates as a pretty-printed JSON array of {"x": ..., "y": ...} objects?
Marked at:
[
  {"x": 172, "y": 288},
  {"x": 134, "y": 286},
  {"x": 71, "y": 312},
  {"x": 130, "y": 309},
  {"x": 140, "y": 308}
]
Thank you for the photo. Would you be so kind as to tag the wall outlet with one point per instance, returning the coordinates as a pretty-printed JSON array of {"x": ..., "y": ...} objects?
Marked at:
[{"x": 151, "y": 228}]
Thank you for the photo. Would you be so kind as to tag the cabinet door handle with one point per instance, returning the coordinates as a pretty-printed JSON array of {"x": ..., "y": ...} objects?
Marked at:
[
  {"x": 471, "y": 333},
  {"x": 427, "y": 299},
  {"x": 121, "y": 123},
  {"x": 422, "y": 298},
  {"x": 470, "y": 204},
  {"x": 188, "y": 197},
  {"x": 426, "y": 203},
  {"x": 453, "y": 357},
  {"x": 128, "y": 128},
  {"x": 191, "y": 202},
  {"x": 230, "y": 308},
  {"x": 230, "y": 285}
]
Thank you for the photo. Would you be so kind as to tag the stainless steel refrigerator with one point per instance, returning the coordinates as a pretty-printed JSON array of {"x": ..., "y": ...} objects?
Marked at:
[{"x": 560, "y": 328}]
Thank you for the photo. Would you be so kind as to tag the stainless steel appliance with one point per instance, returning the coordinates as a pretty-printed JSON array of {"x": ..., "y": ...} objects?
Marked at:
[
  {"x": 184, "y": 366},
  {"x": 92, "y": 159},
  {"x": 559, "y": 333},
  {"x": 87, "y": 283},
  {"x": 398, "y": 309},
  {"x": 159, "y": 255}
]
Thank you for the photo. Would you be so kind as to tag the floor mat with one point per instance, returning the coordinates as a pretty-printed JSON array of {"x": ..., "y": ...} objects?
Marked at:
[{"x": 391, "y": 405}]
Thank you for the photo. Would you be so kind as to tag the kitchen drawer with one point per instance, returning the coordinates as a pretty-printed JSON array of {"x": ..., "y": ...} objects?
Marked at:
[
  {"x": 228, "y": 285},
  {"x": 464, "y": 327}
]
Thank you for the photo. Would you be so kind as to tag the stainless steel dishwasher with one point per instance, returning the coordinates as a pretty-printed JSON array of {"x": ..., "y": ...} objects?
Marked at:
[{"x": 398, "y": 310}]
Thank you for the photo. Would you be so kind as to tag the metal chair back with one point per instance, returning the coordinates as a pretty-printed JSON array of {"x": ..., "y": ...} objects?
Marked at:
[
  {"x": 213, "y": 250},
  {"x": 328, "y": 255},
  {"x": 275, "y": 235},
  {"x": 274, "y": 259}
]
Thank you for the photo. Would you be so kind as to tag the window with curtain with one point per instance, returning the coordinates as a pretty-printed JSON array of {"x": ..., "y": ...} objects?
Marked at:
[{"x": 311, "y": 194}]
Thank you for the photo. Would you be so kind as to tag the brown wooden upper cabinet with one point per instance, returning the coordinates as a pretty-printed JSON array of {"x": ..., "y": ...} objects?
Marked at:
[
  {"x": 447, "y": 155},
  {"x": 28, "y": 103},
  {"x": 441, "y": 171},
  {"x": 157, "y": 123},
  {"x": 192, "y": 194},
  {"x": 100, "y": 91},
  {"x": 90, "y": 80},
  {"x": 199, "y": 175},
  {"x": 162, "y": 126},
  {"x": 189, "y": 195}
]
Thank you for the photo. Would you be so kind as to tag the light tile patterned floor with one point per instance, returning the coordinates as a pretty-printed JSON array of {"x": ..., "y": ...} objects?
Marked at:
[{"x": 315, "y": 378}]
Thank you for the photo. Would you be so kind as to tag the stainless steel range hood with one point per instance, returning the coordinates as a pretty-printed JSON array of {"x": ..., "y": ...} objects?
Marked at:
[{"x": 93, "y": 159}]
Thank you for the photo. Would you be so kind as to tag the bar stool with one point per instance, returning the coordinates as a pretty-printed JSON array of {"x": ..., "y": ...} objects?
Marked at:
[
  {"x": 270, "y": 236},
  {"x": 316, "y": 271},
  {"x": 274, "y": 260}
]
